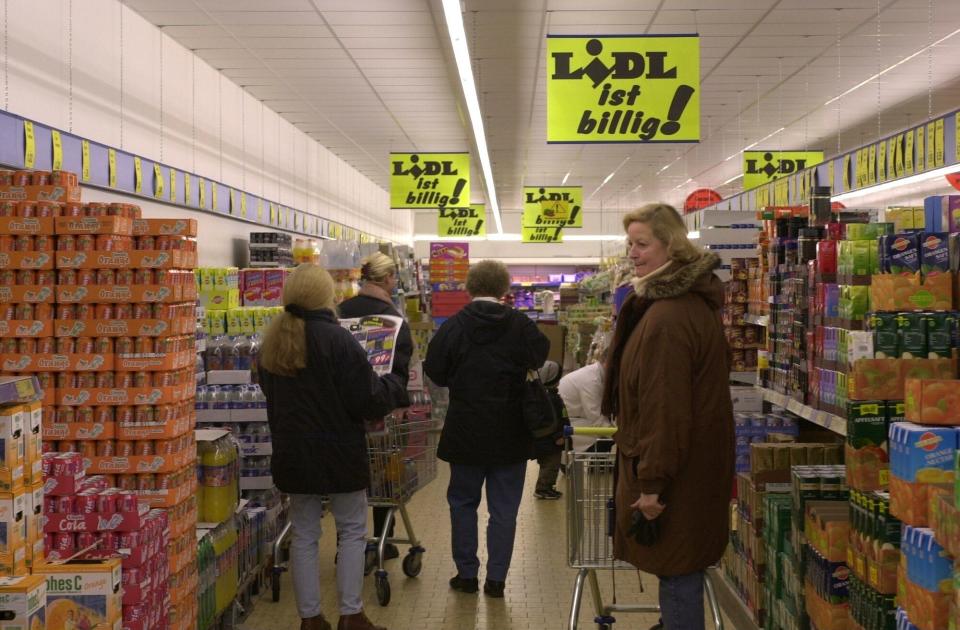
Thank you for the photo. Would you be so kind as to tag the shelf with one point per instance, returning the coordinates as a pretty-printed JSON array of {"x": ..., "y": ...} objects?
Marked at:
[
  {"x": 819, "y": 417},
  {"x": 750, "y": 378},
  {"x": 264, "y": 265},
  {"x": 730, "y": 603},
  {"x": 757, "y": 320}
]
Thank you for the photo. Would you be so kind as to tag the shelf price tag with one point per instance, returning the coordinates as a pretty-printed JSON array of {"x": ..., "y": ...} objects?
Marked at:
[
  {"x": 233, "y": 202},
  {"x": 112, "y": 167},
  {"x": 908, "y": 153},
  {"x": 921, "y": 152},
  {"x": 931, "y": 144},
  {"x": 259, "y": 209},
  {"x": 57, "y": 150},
  {"x": 173, "y": 185},
  {"x": 213, "y": 193},
  {"x": 202, "y": 193},
  {"x": 85, "y": 160},
  {"x": 157, "y": 181},
  {"x": 29, "y": 145},
  {"x": 938, "y": 137},
  {"x": 243, "y": 205},
  {"x": 273, "y": 214},
  {"x": 882, "y": 161},
  {"x": 187, "y": 189},
  {"x": 137, "y": 175}
]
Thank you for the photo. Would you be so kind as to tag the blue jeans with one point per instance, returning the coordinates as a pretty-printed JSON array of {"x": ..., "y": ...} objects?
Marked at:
[
  {"x": 681, "y": 602},
  {"x": 504, "y": 491}
]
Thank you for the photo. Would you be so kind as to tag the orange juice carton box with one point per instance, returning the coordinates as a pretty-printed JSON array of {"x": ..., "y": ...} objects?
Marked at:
[
  {"x": 933, "y": 401},
  {"x": 919, "y": 457},
  {"x": 33, "y": 446},
  {"x": 23, "y": 603},
  {"x": 13, "y": 521},
  {"x": 82, "y": 588},
  {"x": 12, "y": 447},
  {"x": 34, "y": 518}
]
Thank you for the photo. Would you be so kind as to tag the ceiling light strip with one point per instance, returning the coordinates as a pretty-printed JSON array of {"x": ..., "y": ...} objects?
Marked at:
[
  {"x": 897, "y": 183},
  {"x": 458, "y": 39}
]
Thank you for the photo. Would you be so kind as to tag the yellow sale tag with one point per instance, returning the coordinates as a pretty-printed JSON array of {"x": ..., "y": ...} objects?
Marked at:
[
  {"x": 187, "y": 189},
  {"x": 470, "y": 221},
  {"x": 938, "y": 143},
  {"x": 29, "y": 145},
  {"x": 213, "y": 194},
  {"x": 259, "y": 209},
  {"x": 85, "y": 160},
  {"x": 173, "y": 185},
  {"x": 542, "y": 234},
  {"x": 202, "y": 193},
  {"x": 830, "y": 175},
  {"x": 882, "y": 161},
  {"x": 429, "y": 180},
  {"x": 273, "y": 214},
  {"x": 233, "y": 202},
  {"x": 57, "y": 150},
  {"x": 137, "y": 175},
  {"x": 846, "y": 172},
  {"x": 634, "y": 88},
  {"x": 921, "y": 152},
  {"x": 536, "y": 214},
  {"x": 157, "y": 181},
  {"x": 883, "y": 475},
  {"x": 112, "y": 167},
  {"x": 243, "y": 205},
  {"x": 931, "y": 144}
]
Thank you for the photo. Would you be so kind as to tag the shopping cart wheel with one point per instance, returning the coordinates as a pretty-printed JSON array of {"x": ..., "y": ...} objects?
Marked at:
[
  {"x": 604, "y": 622},
  {"x": 383, "y": 588},
  {"x": 413, "y": 563},
  {"x": 370, "y": 560}
]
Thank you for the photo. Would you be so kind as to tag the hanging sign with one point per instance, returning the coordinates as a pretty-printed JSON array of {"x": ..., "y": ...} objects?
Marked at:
[
  {"x": 187, "y": 189},
  {"x": 553, "y": 206},
  {"x": 701, "y": 198},
  {"x": 429, "y": 180},
  {"x": 29, "y": 145},
  {"x": 213, "y": 193},
  {"x": 157, "y": 181},
  {"x": 471, "y": 221},
  {"x": 173, "y": 185},
  {"x": 112, "y": 167},
  {"x": 57, "y": 150},
  {"x": 85, "y": 160},
  {"x": 761, "y": 167},
  {"x": 202, "y": 193},
  {"x": 137, "y": 175},
  {"x": 541, "y": 234},
  {"x": 629, "y": 88}
]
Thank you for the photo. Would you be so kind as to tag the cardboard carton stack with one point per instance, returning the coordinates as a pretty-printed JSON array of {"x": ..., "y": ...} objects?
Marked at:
[{"x": 449, "y": 264}]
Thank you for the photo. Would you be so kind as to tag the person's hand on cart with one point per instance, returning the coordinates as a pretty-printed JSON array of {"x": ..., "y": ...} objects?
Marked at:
[{"x": 649, "y": 505}]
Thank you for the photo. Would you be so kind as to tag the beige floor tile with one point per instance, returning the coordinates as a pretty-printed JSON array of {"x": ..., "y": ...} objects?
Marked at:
[{"x": 539, "y": 587}]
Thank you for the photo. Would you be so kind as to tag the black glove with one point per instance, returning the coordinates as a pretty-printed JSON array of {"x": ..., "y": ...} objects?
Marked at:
[{"x": 644, "y": 531}]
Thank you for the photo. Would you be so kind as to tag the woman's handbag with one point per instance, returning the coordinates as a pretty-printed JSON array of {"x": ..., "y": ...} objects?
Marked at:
[{"x": 538, "y": 413}]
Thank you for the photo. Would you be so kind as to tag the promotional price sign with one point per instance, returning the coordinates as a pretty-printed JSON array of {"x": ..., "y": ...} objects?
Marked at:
[
  {"x": 541, "y": 234},
  {"x": 429, "y": 180},
  {"x": 471, "y": 221},
  {"x": 553, "y": 206},
  {"x": 631, "y": 88},
  {"x": 761, "y": 167}
]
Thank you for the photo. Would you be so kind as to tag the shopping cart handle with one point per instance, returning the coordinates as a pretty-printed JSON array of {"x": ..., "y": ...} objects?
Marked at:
[{"x": 593, "y": 431}]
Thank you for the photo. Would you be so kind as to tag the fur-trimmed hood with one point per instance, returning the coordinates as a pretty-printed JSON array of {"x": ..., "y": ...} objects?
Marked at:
[{"x": 681, "y": 278}]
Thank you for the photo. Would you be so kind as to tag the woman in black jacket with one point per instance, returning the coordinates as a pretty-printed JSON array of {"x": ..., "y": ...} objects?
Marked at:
[
  {"x": 320, "y": 388},
  {"x": 482, "y": 354},
  {"x": 379, "y": 276}
]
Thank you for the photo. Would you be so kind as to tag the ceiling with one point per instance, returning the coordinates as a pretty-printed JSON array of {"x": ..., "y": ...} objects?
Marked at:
[{"x": 366, "y": 77}]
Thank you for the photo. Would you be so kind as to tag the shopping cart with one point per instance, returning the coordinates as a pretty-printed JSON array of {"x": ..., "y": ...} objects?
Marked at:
[
  {"x": 403, "y": 459},
  {"x": 590, "y": 532}
]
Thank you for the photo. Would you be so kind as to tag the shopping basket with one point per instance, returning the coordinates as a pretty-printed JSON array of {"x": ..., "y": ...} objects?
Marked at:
[
  {"x": 590, "y": 525},
  {"x": 403, "y": 459}
]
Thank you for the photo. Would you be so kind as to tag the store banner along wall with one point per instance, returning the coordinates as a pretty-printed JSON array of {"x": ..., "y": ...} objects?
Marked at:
[
  {"x": 631, "y": 88},
  {"x": 553, "y": 206},
  {"x": 762, "y": 167},
  {"x": 469, "y": 221},
  {"x": 425, "y": 181}
]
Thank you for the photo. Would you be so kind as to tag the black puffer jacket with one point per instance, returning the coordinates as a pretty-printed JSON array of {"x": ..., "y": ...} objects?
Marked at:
[
  {"x": 316, "y": 417},
  {"x": 482, "y": 354},
  {"x": 362, "y": 305}
]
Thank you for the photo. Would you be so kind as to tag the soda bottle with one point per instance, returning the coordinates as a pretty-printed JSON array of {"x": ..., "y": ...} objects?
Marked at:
[{"x": 220, "y": 489}]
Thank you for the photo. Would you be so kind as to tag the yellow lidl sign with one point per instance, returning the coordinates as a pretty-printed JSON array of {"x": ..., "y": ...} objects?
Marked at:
[
  {"x": 761, "y": 167},
  {"x": 631, "y": 88},
  {"x": 553, "y": 206},
  {"x": 429, "y": 180},
  {"x": 541, "y": 234},
  {"x": 468, "y": 221}
]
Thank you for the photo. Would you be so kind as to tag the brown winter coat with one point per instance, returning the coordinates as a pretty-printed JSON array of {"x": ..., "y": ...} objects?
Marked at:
[{"x": 675, "y": 421}]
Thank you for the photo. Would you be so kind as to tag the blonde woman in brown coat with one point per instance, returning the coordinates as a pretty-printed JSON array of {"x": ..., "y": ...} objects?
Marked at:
[{"x": 667, "y": 385}]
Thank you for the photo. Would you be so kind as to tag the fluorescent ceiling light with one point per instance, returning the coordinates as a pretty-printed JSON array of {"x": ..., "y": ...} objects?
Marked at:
[
  {"x": 565, "y": 177},
  {"x": 668, "y": 166},
  {"x": 458, "y": 39},
  {"x": 732, "y": 179},
  {"x": 886, "y": 70},
  {"x": 906, "y": 181},
  {"x": 693, "y": 235},
  {"x": 609, "y": 177},
  {"x": 750, "y": 146}
]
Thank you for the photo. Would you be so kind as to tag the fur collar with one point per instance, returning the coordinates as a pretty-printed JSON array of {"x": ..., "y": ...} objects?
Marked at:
[{"x": 676, "y": 279}]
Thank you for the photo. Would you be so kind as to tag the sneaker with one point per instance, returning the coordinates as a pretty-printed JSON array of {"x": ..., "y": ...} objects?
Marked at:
[
  {"x": 464, "y": 585},
  {"x": 493, "y": 588},
  {"x": 549, "y": 494}
]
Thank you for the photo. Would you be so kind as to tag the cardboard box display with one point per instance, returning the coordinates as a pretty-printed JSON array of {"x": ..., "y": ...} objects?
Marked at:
[
  {"x": 139, "y": 463},
  {"x": 79, "y": 431},
  {"x": 156, "y": 430},
  {"x": 155, "y": 362},
  {"x": 26, "y": 328},
  {"x": 12, "y": 447},
  {"x": 33, "y": 446},
  {"x": 220, "y": 299},
  {"x": 112, "y": 396},
  {"x": 26, "y": 225},
  {"x": 79, "y": 588},
  {"x": 169, "y": 497},
  {"x": 123, "y": 327},
  {"x": 933, "y": 401},
  {"x": 133, "y": 259},
  {"x": 910, "y": 292},
  {"x": 165, "y": 227},
  {"x": 117, "y": 522},
  {"x": 94, "y": 225},
  {"x": 23, "y": 603},
  {"x": 26, "y": 260},
  {"x": 56, "y": 362},
  {"x": 40, "y": 193},
  {"x": 123, "y": 294},
  {"x": 13, "y": 521},
  {"x": 27, "y": 293}
]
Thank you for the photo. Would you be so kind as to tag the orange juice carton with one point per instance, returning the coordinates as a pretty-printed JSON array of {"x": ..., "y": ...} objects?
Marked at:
[
  {"x": 919, "y": 456},
  {"x": 934, "y": 253},
  {"x": 33, "y": 446},
  {"x": 12, "y": 447},
  {"x": 82, "y": 588},
  {"x": 273, "y": 280},
  {"x": 23, "y": 603},
  {"x": 933, "y": 401},
  {"x": 252, "y": 286},
  {"x": 875, "y": 379},
  {"x": 903, "y": 253},
  {"x": 867, "y": 458}
]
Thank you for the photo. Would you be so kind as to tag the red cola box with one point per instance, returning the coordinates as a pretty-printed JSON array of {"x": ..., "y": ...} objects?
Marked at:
[{"x": 95, "y": 522}]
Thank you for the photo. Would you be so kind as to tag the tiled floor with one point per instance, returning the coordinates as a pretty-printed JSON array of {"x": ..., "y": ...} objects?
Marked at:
[{"x": 539, "y": 586}]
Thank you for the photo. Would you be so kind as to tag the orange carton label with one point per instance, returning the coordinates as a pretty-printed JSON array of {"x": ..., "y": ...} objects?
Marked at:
[
  {"x": 165, "y": 227},
  {"x": 169, "y": 497},
  {"x": 99, "y": 294},
  {"x": 94, "y": 225},
  {"x": 138, "y": 463},
  {"x": 79, "y": 430},
  {"x": 26, "y": 328},
  {"x": 124, "y": 396},
  {"x": 26, "y": 225},
  {"x": 155, "y": 430},
  {"x": 39, "y": 193},
  {"x": 32, "y": 294},
  {"x": 122, "y": 327},
  {"x": 26, "y": 260},
  {"x": 158, "y": 362},
  {"x": 136, "y": 259},
  {"x": 56, "y": 362}
]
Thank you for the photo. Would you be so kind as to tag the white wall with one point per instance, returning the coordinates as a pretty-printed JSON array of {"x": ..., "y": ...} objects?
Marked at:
[{"x": 137, "y": 89}]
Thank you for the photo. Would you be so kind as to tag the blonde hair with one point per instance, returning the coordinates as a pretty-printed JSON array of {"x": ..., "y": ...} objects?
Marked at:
[
  {"x": 668, "y": 228},
  {"x": 284, "y": 350},
  {"x": 377, "y": 267},
  {"x": 488, "y": 278}
]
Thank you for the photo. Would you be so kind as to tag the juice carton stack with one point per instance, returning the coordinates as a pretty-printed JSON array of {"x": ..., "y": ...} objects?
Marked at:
[
  {"x": 262, "y": 287},
  {"x": 873, "y": 557},
  {"x": 449, "y": 264},
  {"x": 219, "y": 287}
]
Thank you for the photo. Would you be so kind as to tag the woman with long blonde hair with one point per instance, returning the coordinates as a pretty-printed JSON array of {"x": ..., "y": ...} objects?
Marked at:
[{"x": 320, "y": 389}]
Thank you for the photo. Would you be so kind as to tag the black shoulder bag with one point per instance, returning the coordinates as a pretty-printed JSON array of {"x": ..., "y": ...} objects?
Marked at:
[{"x": 538, "y": 413}]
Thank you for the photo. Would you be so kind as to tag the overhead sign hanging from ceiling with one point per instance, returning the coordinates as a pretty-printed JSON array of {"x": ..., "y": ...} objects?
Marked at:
[
  {"x": 623, "y": 88},
  {"x": 553, "y": 206},
  {"x": 541, "y": 234},
  {"x": 421, "y": 181},
  {"x": 468, "y": 221},
  {"x": 762, "y": 167}
]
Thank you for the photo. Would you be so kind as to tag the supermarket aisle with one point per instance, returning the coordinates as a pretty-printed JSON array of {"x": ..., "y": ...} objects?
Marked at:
[{"x": 538, "y": 588}]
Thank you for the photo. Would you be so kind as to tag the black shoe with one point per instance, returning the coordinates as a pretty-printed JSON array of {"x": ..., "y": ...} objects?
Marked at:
[
  {"x": 464, "y": 585},
  {"x": 493, "y": 588},
  {"x": 659, "y": 626},
  {"x": 390, "y": 552},
  {"x": 549, "y": 494}
]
